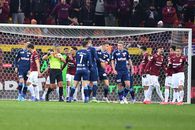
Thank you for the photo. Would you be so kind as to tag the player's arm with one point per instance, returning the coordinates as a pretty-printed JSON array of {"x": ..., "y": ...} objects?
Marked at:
[
  {"x": 38, "y": 66},
  {"x": 113, "y": 63},
  {"x": 90, "y": 60},
  {"x": 131, "y": 66},
  {"x": 130, "y": 63},
  {"x": 47, "y": 56},
  {"x": 45, "y": 71},
  {"x": 16, "y": 61},
  {"x": 150, "y": 62}
]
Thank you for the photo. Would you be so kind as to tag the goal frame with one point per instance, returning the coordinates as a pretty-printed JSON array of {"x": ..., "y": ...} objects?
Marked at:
[{"x": 126, "y": 29}]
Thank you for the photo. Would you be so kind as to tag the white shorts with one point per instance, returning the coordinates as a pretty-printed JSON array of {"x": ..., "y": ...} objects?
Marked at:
[
  {"x": 69, "y": 77},
  {"x": 154, "y": 80},
  {"x": 178, "y": 79},
  {"x": 33, "y": 78},
  {"x": 146, "y": 80},
  {"x": 168, "y": 81}
]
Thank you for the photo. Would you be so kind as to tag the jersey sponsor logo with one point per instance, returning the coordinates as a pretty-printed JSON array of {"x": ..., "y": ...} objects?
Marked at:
[
  {"x": 24, "y": 58},
  {"x": 121, "y": 59}
]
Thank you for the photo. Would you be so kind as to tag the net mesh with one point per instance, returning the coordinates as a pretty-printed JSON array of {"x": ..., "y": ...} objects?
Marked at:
[{"x": 44, "y": 37}]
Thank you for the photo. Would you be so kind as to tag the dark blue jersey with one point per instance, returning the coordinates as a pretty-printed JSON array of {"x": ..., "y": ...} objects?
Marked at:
[
  {"x": 103, "y": 57},
  {"x": 83, "y": 59},
  {"x": 94, "y": 56},
  {"x": 22, "y": 59},
  {"x": 120, "y": 57}
]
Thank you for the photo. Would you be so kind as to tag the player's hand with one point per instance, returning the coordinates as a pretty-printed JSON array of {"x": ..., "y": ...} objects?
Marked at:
[
  {"x": 16, "y": 70},
  {"x": 115, "y": 72},
  {"x": 40, "y": 74}
]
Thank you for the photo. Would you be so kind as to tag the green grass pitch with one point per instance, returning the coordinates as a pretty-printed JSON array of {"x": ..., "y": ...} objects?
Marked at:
[{"x": 94, "y": 116}]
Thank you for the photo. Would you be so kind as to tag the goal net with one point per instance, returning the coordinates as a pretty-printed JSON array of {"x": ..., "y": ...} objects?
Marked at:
[{"x": 44, "y": 36}]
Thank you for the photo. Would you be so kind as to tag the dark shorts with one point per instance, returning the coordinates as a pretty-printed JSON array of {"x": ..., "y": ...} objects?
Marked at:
[
  {"x": 55, "y": 74},
  {"x": 93, "y": 75},
  {"x": 81, "y": 74},
  {"x": 122, "y": 76},
  {"x": 102, "y": 75},
  {"x": 22, "y": 73}
]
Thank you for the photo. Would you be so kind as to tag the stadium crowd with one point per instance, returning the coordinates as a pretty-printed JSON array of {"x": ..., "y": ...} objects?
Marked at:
[{"x": 133, "y": 13}]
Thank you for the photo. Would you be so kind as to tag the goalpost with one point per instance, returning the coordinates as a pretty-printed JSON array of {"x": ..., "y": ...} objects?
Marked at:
[{"x": 44, "y": 36}]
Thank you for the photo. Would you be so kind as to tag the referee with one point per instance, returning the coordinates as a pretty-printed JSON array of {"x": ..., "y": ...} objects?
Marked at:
[{"x": 55, "y": 73}]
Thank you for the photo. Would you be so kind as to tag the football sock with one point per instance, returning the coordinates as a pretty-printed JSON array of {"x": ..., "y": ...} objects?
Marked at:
[
  {"x": 120, "y": 94},
  {"x": 132, "y": 92},
  {"x": 94, "y": 90},
  {"x": 125, "y": 92},
  {"x": 44, "y": 93},
  {"x": 72, "y": 90},
  {"x": 145, "y": 92},
  {"x": 67, "y": 91},
  {"x": 32, "y": 91},
  {"x": 166, "y": 95},
  {"x": 89, "y": 90},
  {"x": 60, "y": 92},
  {"x": 181, "y": 93},
  {"x": 174, "y": 96},
  {"x": 106, "y": 90},
  {"x": 86, "y": 92},
  {"x": 158, "y": 91},
  {"x": 20, "y": 85},
  {"x": 24, "y": 91},
  {"x": 37, "y": 92},
  {"x": 75, "y": 93}
]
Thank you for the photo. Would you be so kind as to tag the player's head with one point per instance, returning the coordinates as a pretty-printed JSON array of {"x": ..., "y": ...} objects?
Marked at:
[
  {"x": 169, "y": 3},
  {"x": 178, "y": 51},
  {"x": 30, "y": 47},
  {"x": 120, "y": 45},
  {"x": 143, "y": 49},
  {"x": 89, "y": 41},
  {"x": 63, "y": 1},
  {"x": 85, "y": 44},
  {"x": 160, "y": 50},
  {"x": 172, "y": 49},
  {"x": 105, "y": 46},
  {"x": 73, "y": 50},
  {"x": 33, "y": 21},
  {"x": 56, "y": 48},
  {"x": 66, "y": 50}
]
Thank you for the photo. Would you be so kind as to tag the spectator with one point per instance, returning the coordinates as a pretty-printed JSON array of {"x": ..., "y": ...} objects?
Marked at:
[
  {"x": 76, "y": 8},
  {"x": 62, "y": 12},
  {"x": 146, "y": 3},
  {"x": 87, "y": 14},
  {"x": 159, "y": 4},
  {"x": 137, "y": 14},
  {"x": 189, "y": 11},
  {"x": 37, "y": 8},
  {"x": 99, "y": 13},
  {"x": 110, "y": 7},
  {"x": 4, "y": 11},
  {"x": 169, "y": 14},
  {"x": 124, "y": 7},
  {"x": 151, "y": 17},
  {"x": 19, "y": 9}
]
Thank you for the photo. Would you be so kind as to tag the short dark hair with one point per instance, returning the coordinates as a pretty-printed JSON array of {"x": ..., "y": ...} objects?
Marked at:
[
  {"x": 106, "y": 43},
  {"x": 74, "y": 48},
  {"x": 65, "y": 48},
  {"x": 143, "y": 48},
  {"x": 173, "y": 47},
  {"x": 84, "y": 43},
  {"x": 31, "y": 46},
  {"x": 88, "y": 38}
]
